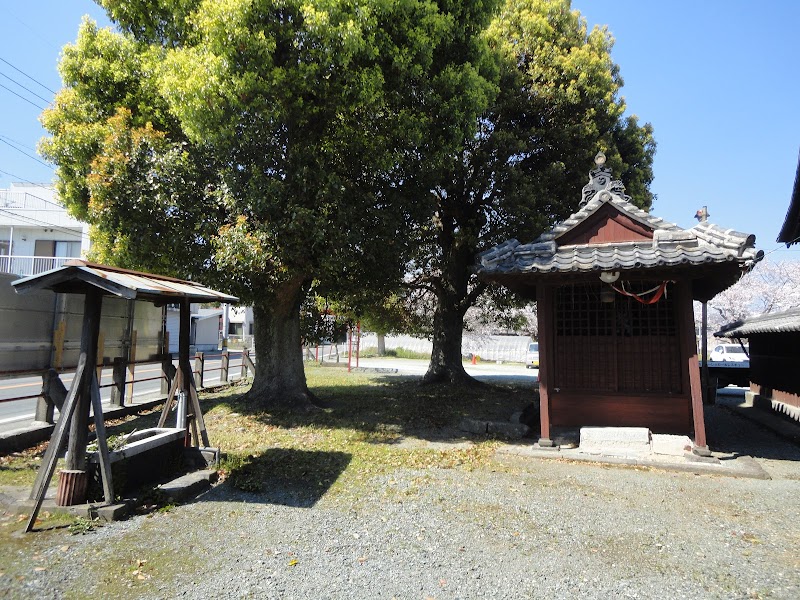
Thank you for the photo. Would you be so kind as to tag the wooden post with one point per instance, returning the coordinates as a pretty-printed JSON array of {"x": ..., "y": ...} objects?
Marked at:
[
  {"x": 199, "y": 367},
  {"x": 183, "y": 345},
  {"x": 224, "y": 364},
  {"x": 79, "y": 428},
  {"x": 177, "y": 383},
  {"x": 167, "y": 373},
  {"x": 58, "y": 344},
  {"x": 247, "y": 363},
  {"x": 53, "y": 395},
  {"x": 689, "y": 353},
  {"x": 131, "y": 364},
  {"x": 102, "y": 443},
  {"x": 101, "y": 350},
  {"x": 118, "y": 389},
  {"x": 45, "y": 473},
  {"x": 245, "y": 356},
  {"x": 545, "y": 317}
]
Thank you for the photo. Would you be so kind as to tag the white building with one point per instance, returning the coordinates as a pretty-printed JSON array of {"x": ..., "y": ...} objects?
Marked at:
[{"x": 36, "y": 233}]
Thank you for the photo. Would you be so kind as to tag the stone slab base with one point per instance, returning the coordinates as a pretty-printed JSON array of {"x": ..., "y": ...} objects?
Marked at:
[{"x": 615, "y": 441}]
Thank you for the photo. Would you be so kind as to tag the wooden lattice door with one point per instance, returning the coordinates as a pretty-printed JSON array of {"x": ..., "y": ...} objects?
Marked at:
[{"x": 622, "y": 346}]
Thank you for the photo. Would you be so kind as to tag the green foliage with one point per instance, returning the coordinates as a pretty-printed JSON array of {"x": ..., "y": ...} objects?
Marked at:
[
  {"x": 261, "y": 145},
  {"x": 372, "y": 352},
  {"x": 558, "y": 105},
  {"x": 82, "y": 526}
]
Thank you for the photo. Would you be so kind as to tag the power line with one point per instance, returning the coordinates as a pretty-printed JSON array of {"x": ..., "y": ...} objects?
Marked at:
[
  {"x": 17, "y": 142},
  {"x": 30, "y": 91},
  {"x": 17, "y": 177},
  {"x": 25, "y": 153},
  {"x": 26, "y": 75},
  {"x": 23, "y": 97}
]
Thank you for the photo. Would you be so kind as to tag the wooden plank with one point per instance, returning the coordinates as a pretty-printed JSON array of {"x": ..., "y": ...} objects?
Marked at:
[
  {"x": 176, "y": 383},
  {"x": 659, "y": 413},
  {"x": 198, "y": 416},
  {"x": 57, "y": 440},
  {"x": 686, "y": 321},
  {"x": 102, "y": 442}
]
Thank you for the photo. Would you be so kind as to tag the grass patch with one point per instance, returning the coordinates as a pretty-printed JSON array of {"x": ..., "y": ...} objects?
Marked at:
[
  {"x": 372, "y": 352},
  {"x": 375, "y": 425}
]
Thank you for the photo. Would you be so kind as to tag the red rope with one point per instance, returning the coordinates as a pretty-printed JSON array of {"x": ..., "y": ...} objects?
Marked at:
[{"x": 656, "y": 297}]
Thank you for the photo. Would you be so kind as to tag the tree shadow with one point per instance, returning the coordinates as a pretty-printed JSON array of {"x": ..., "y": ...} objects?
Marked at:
[
  {"x": 400, "y": 404},
  {"x": 288, "y": 477}
]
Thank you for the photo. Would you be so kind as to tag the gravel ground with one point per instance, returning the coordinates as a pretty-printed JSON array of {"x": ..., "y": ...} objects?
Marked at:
[{"x": 518, "y": 528}]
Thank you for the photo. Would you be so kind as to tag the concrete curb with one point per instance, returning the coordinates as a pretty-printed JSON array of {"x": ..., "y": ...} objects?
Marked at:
[
  {"x": 180, "y": 490},
  {"x": 743, "y": 466}
]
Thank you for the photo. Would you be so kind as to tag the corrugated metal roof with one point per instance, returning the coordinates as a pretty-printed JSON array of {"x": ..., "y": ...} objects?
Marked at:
[
  {"x": 787, "y": 321},
  {"x": 77, "y": 276}
]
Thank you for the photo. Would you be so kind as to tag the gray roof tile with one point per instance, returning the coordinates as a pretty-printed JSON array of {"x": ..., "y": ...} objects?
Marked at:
[
  {"x": 671, "y": 245},
  {"x": 787, "y": 321}
]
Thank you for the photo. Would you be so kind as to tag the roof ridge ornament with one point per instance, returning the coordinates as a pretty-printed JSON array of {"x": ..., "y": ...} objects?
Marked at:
[{"x": 600, "y": 180}]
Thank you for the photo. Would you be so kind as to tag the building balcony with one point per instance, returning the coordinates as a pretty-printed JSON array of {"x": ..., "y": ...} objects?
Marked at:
[{"x": 26, "y": 266}]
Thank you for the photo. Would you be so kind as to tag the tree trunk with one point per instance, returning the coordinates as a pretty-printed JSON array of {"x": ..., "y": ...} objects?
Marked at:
[
  {"x": 381, "y": 344},
  {"x": 446, "y": 363},
  {"x": 448, "y": 321},
  {"x": 280, "y": 379}
]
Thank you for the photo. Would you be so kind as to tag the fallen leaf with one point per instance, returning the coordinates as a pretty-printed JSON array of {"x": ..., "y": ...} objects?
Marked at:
[
  {"x": 293, "y": 562},
  {"x": 39, "y": 569},
  {"x": 64, "y": 548}
]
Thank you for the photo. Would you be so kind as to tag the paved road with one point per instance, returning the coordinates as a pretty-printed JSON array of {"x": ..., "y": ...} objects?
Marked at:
[
  {"x": 489, "y": 372},
  {"x": 18, "y": 413}
]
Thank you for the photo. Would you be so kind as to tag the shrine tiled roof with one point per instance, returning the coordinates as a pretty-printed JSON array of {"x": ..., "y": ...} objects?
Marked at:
[
  {"x": 782, "y": 322},
  {"x": 670, "y": 246}
]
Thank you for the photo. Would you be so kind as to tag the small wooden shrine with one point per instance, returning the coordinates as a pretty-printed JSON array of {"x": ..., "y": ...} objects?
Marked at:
[
  {"x": 614, "y": 287},
  {"x": 94, "y": 282}
]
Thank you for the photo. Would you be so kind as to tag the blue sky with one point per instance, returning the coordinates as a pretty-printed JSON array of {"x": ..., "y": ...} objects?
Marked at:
[{"x": 717, "y": 79}]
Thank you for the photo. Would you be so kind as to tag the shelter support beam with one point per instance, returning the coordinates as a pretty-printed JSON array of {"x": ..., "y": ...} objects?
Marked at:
[
  {"x": 545, "y": 316},
  {"x": 692, "y": 366}
]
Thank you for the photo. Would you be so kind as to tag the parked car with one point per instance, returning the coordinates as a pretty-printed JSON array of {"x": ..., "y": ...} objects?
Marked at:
[
  {"x": 532, "y": 356},
  {"x": 729, "y": 353}
]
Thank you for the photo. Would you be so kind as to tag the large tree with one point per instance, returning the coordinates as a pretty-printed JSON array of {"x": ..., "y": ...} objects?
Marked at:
[
  {"x": 273, "y": 144},
  {"x": 523, "y": 169}
]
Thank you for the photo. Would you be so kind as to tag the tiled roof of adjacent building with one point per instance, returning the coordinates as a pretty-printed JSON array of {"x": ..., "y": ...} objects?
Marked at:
[
  {"x": 787, "y": 321},
  {"x": 790, "y": 232}
]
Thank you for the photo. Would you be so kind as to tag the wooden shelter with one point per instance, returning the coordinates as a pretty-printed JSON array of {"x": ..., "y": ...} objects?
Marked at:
[
  {"x": 774, "y": 343},
  {"x": 94, "y": 282},
  {"x": 775, "y": 338},
  {"x": 614, "y": 287}
]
